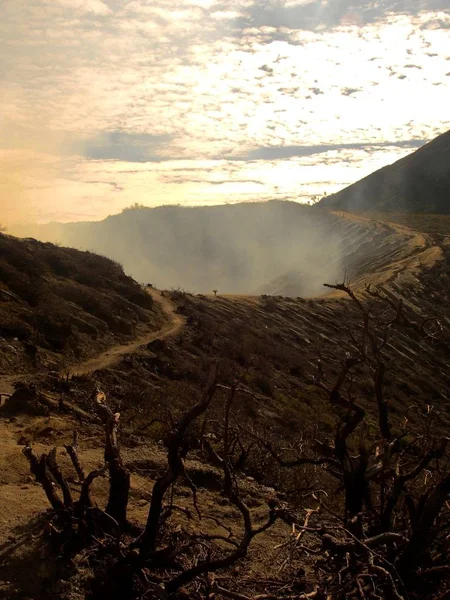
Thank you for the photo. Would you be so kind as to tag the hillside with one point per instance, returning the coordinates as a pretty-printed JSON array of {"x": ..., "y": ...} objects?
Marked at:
[
  {"x": 60, "y": 305},
  {"x": 370, "y": 250},
  {"x": 418, "y": 183},
  {"x": 276, "y": 347},
  {"x": 278, "y": 248}
]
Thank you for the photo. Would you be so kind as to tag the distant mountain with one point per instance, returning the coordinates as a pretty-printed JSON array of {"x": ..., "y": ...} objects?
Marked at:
[
  {"x": 417, "y": 183},
  {"x": 233, "y": 248}
]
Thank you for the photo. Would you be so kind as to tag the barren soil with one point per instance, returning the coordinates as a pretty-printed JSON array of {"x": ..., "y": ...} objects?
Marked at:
[
  {"x": 112, "y": 355},
  {"x": 279, "y": 337}
]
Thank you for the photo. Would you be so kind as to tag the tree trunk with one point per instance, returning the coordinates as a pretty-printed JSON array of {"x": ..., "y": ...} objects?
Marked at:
[{"x": 420, "y": 538}]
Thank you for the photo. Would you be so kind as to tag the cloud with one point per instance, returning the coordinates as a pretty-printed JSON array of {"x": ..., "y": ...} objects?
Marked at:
[
  {"x": 93, "y": 189},
  {"x": 95, "y": 7},
  {"x": 142, "y": 86},
  {"x": 275, "y": 153},
  {"x": 350, "y": 91},
  {"x": 118, "y": 145},
  {"x": 319, "y": 14}
]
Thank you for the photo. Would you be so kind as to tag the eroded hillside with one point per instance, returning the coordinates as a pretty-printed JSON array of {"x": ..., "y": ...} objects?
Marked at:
[
  {"x": 369, "y": 251},
  {"x": 235, "y": 248},
  {"x": 60, "y": 305},
  {"x": 276, "y": 345},
  {"x": 277, "y": 248}
]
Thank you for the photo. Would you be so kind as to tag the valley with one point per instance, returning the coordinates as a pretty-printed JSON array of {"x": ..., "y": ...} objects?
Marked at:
[
  {"x": 224, "y": 300},
  {"x": 292, "y": 368},
  {"x": 273, "y": 341}
]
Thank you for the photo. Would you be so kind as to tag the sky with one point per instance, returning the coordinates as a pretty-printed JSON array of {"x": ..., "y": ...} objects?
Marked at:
[{"x": 105, "y": 103}]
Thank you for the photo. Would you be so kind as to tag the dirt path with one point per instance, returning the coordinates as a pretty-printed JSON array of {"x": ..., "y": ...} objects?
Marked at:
[
  {"x": 110, "y": 356},
  {"x": 15, "y": 476},
  {"x": 6, "y": 386}
]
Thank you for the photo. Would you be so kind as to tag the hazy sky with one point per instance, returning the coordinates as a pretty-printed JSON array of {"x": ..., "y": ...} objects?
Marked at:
[{"x": 109, "y": 102}]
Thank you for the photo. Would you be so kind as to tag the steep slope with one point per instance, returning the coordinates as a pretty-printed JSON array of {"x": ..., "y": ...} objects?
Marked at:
[
  {"x": 276, "y": 343},
  {"x": 59, "y": 304},
  {"x": 175, "y": 323},
  {"x": 419, "y": 182},
  {"x": 371, "y": 251},
  {"x": 276, "y": 248}
]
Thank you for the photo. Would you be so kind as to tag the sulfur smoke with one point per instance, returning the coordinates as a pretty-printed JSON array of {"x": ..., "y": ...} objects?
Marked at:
[{"x": 274, "y": 248}]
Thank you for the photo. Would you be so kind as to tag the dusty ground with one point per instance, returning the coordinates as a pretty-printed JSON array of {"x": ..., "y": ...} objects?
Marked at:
[
  {"x": 282, "y": 337},
  {"x": 22, "y": 500},
  {"x": 55, "y": 430},
  {"x": 22, "y": 503}
]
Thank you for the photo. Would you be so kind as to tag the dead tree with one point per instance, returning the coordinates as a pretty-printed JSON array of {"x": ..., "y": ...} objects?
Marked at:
[
  {"x": 118, "y": 474},
  {"x": 72, "y": 451},
  {"x": 81, "y": 522},
  {"x": 72, "y": 523},
  {"x": 390, "y": 533},
  {"x": 40, "y": 469},
  {"x": 231, "y": 491},
  {"x": 176, "y": 453},
  {"x": 393, "y": 532}
]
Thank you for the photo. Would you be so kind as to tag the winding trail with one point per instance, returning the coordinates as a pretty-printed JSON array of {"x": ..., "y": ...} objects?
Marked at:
[
  {"x": 110, "y": 356},
  {"x": 113, "y": 354}
]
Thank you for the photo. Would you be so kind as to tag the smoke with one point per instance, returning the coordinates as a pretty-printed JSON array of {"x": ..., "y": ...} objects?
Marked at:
[{"x": 275, "y": 247}]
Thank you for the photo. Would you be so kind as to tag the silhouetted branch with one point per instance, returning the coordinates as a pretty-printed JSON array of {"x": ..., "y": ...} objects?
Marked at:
[
  {"x": 54, "y": 469},
  {"x": 39, "y": 469},
  {"x": 72, "y": 451},
  {"x": 175, "y": 455}
]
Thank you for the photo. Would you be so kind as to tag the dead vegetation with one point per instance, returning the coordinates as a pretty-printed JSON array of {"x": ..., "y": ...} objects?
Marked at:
[
  {"x": 369, "y": 517},
  {"x": 313, "y": 464}
]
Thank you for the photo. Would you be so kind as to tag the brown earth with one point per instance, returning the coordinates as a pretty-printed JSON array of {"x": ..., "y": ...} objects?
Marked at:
[
  {"x": 14, "y": 469},
  {"x": 280, "y": 338},
  {"x": 112, "y": 355},
  {"x": 372, "y": 251}
]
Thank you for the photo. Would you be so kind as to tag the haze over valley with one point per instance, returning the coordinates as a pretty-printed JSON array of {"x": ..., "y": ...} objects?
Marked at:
[
  {"x": 281, "y": 248},
  {"x": 235, "y": 249}
]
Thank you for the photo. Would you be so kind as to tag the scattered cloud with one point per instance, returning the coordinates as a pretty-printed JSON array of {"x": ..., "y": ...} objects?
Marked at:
[
  {"x": 95, "y": 7},
  {"x": 92, "y": 89},
  {"x": 130, "y": 147},
  {"x": 271, "y": 153},
  {"x": 350, "y": 91},
  {"x": 320, "y": 14}
]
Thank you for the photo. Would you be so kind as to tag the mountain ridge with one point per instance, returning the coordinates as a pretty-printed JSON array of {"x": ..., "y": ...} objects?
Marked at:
[
  {"x": 60, "y": 304},
  {"x": 417, "y": 183}
]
